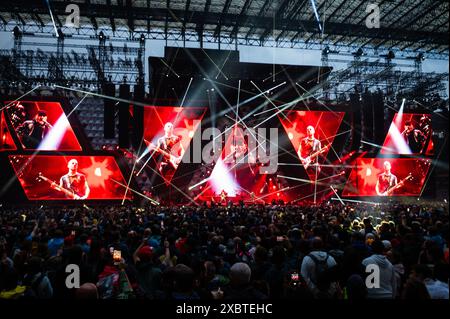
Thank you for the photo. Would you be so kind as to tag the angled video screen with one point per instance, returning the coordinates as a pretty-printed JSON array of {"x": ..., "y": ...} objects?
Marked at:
[
  {"x": 311, "y": 133},
  {"x": 47, "y": 177},
  {"x": 168, "y": 131},
  {"x": 42, "y": 125},
  {"x": 387, "y": 177},
  {"x": 409, "y": 133}
]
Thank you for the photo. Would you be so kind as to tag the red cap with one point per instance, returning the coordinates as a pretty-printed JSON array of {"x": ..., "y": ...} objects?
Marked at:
[{"x": 145, "y": 252}]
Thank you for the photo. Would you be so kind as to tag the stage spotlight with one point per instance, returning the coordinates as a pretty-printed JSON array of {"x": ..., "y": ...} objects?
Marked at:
[
  {"x": 142, "y": 38},
  {"x": 101, "y": 35},
  {"x": 420, "y": 57}
]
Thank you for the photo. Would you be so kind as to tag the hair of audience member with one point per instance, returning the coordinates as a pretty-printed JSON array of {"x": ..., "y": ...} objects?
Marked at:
[
  {"x": 415, "y": 290},
  {"x": 377, "y": 247},
  {"x": 317, "y": 243},
  {"x": 240, "y": 274},
  {"x": 87, "y": 291},
  {"x": 183, "y": 278}
]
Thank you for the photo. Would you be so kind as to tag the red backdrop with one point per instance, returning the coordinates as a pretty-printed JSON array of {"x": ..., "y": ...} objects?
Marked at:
[
  {"x": 62, "y": 136},
  {"x": 393, "y": 143},
  {"x": 363, "y": 177},
  {"x": 101, "y": 173}
]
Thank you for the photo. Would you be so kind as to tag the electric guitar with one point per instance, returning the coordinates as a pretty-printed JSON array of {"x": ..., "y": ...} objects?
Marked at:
[
  {"x": 307, "y": 161},
  {"x": 172, "y": 159},
  {"x": 390, "y": 190},
  {"x": 70, "y": 193}
]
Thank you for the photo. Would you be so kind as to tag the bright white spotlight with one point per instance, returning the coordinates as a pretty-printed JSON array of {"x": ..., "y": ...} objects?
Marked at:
[
  {"x": 54, "y": 137},
  {"x": 221, "y": 179}
]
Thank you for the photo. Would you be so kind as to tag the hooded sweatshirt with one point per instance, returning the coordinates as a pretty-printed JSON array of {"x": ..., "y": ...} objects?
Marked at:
[
  {"x": 308, "y": 269},
  {"x": 388, "y": 286}
]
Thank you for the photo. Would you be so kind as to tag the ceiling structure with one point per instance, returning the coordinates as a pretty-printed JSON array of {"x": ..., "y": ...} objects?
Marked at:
[{"x": 407, "y": 25}]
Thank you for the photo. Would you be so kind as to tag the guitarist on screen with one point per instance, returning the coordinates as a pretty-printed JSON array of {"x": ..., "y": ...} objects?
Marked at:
[
  {"x": 386, "y": 180},
  {"x": 166, "y": 144},
  {"x": 75, "y": 181},
  {"x": 308, "y": 146}
]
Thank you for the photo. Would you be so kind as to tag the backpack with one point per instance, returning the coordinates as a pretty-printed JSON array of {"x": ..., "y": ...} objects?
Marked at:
[{"x": 321, "y": 272}]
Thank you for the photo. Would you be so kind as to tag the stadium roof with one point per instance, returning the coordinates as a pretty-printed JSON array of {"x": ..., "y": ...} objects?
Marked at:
[{"x": 420, "y": 25}]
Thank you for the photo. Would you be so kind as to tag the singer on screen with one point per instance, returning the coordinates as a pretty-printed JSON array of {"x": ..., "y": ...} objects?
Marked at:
[{"x": 32, "y": 132}]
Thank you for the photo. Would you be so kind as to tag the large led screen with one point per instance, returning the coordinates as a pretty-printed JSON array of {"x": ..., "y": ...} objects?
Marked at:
[{"x": 47, "y": 177}]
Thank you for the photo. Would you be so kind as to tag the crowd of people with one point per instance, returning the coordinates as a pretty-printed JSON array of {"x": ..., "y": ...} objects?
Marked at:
[{"x": 235, "y": 252}]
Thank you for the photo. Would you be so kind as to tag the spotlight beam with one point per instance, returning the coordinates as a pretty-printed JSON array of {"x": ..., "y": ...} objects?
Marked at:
[
  {"x": 378, "y": 146},
  {"x": 316, "y": 14},
  {"x": 223, "y": 64},
  {"x": 331, "y": 186},
  {"x": 246, "y": 101},
  {"x": 76, "y": 106},
  {"x": 51, "y": 15},
  {"x": 312, "y": 194},
  {"x": 154, "y": 202},
  {"x": 355, "y": 201},
  {"x": 179, "y": 190},
  {"x": 170, "y": 69},
  {"x": 185, "y": 93},
  {"x": 322, "y": 165},
  {"x": 270, "y": 101},
  {"x": 20, "y": 97},
  {"x": 220, "y": 71},
  {"x": 131, "y": 175}
]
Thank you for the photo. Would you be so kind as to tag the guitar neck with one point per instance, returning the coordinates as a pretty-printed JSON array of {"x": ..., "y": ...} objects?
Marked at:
[
  {"x": 163, "y": 152},
  {"x": 57, "y": 187},
  {"x": 316, "y": 153},
  {"x": 398, "y": 185}
]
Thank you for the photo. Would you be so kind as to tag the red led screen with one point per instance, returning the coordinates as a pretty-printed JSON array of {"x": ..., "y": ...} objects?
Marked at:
[
  {"x": 409, "y": 134},
  {"x": 6, "y": 142},
  {"x": 43, "y": 126},
  {"x": 315, "y": 145},
  {"x": 96, "y": 177},
  {"x": 167, "y": 148},
  {"x": 371, "y": 177}
]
